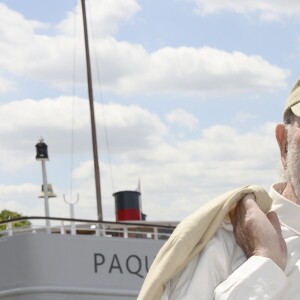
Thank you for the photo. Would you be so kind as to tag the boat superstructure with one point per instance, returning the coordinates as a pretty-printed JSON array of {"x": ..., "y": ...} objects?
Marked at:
[{"x": 77, "y": 259}]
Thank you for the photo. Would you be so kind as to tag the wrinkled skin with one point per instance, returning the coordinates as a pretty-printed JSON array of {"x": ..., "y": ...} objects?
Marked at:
[{"x": 257, "y": 233}]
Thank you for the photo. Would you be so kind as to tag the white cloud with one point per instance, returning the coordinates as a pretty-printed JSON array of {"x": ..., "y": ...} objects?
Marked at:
[
  {"x": 177, "y": 179},
  {"x": 208, "y": 71},
  {"x": 15, "y": 25},
  {"x": 186, "y": 71},
  {"x": 85, "y": 171},
  {"x": 16, "y": 33},
  {"x": 243, "y": 117},
  {"x": 129, "y": 68},
  {"x": 5, "y": 85},
  {"x": 183, "y": 118},
  {"x": 50, "y": 58},
  {"x": 267, "y": 9},
  {"x": 104, "y": 18},
  {"x": 23, "y": 122},
  {"x": 189, "y": 171},
  {"x": 22, "y": 198}
]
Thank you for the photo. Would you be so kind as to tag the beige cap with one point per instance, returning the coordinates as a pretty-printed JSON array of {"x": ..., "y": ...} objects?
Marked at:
[{"x": 293, "y": 100}]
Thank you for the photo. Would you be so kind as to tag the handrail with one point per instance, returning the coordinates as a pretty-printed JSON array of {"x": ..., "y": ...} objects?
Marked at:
[
  {"x": 134, "y": 229},
  {"x": 134, "y": 223}
]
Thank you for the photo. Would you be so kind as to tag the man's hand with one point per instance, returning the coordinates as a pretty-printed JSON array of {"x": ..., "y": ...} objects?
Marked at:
[{"x": 258, "y": 234}]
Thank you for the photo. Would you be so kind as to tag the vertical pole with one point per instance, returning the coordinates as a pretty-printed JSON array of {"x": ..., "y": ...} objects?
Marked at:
[
  {"x": 62, "y": 227},
  {"x": 45, "y": 188},
  {"x": 9, "y": 228},
  {"x": 155, "y": 233},
  {"x": 93, "y": 126},
  {"x": 73, "y": 229},
  {"x": 125, "y": 232}
]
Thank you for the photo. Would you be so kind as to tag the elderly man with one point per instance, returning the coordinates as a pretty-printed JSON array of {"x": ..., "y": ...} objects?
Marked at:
[{"x": 256, "y": 255}]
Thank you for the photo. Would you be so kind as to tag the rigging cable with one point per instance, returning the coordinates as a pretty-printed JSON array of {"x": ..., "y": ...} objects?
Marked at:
[
  {"x": 73, "y": 100},
  {"x": 101, "y": 100}
]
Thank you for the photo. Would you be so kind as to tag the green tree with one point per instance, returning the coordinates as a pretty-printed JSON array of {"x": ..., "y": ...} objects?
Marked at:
[{"x": 7, "y": 215}]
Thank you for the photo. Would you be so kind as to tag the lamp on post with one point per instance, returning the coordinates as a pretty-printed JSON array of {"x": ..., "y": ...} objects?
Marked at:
[{"x": 42, "y": 156}]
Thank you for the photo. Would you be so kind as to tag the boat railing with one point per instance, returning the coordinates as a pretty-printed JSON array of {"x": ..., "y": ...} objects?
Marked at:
[{"x": 129, "y": 229}]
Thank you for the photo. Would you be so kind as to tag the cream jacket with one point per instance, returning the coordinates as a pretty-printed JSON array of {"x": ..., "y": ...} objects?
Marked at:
[{"x": 191, "y": 236}]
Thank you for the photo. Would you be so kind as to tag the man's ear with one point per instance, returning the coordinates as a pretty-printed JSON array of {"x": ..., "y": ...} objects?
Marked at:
[{"x": 281, "y": 136}]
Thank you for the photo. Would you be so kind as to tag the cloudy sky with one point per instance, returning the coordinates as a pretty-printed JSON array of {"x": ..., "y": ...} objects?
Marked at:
[{"x": 187, "y": 96}]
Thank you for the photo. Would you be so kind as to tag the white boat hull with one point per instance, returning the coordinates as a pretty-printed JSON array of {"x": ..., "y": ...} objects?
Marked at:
[{"x": 55, "y": 267}]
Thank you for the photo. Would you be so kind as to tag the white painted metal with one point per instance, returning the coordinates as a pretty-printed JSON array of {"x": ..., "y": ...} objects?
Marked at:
[
  {"x": 45, "y": 189},
  {"x": 60, "y": 267}
]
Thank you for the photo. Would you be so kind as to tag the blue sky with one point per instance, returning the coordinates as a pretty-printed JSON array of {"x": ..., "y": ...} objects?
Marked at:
[{"x": 188, "y": 91}]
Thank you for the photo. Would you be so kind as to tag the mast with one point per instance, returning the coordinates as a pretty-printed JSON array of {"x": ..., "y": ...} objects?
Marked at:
[{"x": 93, "y": 125}]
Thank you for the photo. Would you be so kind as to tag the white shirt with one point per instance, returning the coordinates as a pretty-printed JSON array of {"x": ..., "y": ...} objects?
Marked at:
[{"x": 222, "y": 271}]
